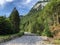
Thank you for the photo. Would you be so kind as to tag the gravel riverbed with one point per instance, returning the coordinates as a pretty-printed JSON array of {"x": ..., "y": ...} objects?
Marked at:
[{"x": 27, "y": 40}]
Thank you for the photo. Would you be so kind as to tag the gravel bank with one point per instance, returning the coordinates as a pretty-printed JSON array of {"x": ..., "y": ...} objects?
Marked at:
[{"x": 27, "y": 40}]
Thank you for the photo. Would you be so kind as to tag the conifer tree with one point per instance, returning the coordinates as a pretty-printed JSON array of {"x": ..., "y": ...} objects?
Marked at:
[{"x": 15, "y": 20}]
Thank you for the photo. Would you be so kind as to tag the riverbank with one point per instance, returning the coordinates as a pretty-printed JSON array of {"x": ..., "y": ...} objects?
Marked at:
[
  {"x": 5, "y": 38},
  {"x": 28, "y": 40},
  {"x": 53, "y": 41}
]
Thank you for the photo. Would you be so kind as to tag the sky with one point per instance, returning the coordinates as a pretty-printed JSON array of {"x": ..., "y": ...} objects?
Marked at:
[{"x": 23, "y": 6}]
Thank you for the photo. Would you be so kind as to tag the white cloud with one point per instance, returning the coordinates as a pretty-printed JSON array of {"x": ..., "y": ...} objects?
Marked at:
[
  {"x": 27, "y": 1},
  {"x": 2, "y": 2},
  {"x": 9, "y": 0}
]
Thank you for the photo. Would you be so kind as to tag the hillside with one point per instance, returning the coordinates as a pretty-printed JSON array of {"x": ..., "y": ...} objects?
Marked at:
[
  {"x": 51, "y": 17},
  {"x": 41, "y": 18},
  {"x": 31, "y": 17}
]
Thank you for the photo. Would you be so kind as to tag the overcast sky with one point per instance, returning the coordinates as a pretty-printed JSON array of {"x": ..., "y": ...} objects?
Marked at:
[{"x": 23, "y": 6}]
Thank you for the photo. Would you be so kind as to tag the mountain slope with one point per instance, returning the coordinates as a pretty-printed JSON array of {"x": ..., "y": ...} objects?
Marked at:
[
  {"x": 30, "y": 19},
  {"x": 39, "y": 20},
  {"x": 51, "y": 17}
]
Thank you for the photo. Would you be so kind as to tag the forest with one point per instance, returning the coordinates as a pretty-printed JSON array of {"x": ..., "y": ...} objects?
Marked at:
[{"x": 11, "y": 24}]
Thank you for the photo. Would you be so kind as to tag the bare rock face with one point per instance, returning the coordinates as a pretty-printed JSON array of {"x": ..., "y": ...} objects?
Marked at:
[{"x": 40, "y": 4}]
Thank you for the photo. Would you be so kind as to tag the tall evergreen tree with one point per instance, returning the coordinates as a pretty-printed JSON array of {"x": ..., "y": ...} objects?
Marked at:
[{"x": 15, "y": 20}]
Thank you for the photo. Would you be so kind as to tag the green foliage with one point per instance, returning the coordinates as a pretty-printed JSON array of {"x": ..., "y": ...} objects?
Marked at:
[
  {"x": 39, "y": 21},
  {"x": 37, "y": 28},
  {"x": 31, "y": 23},
  {"x": 10, "y": 25},
  {"x": 5, "y": 26},
  {"x": 15, "y": 20},
  {"x": 46, "y": 31}
]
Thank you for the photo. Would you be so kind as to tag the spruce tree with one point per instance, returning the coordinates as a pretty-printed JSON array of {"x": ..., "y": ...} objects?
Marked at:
[{"x": 15, "y": 20}]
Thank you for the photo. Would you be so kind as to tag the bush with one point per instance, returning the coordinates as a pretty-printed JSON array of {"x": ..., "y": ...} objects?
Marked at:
[
  {"x": 46, "y": 31},
  {"x": 5, "y": 26}
]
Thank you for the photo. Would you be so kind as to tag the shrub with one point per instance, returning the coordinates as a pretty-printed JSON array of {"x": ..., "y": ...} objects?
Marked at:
[{"x": 5, "y": 26}]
